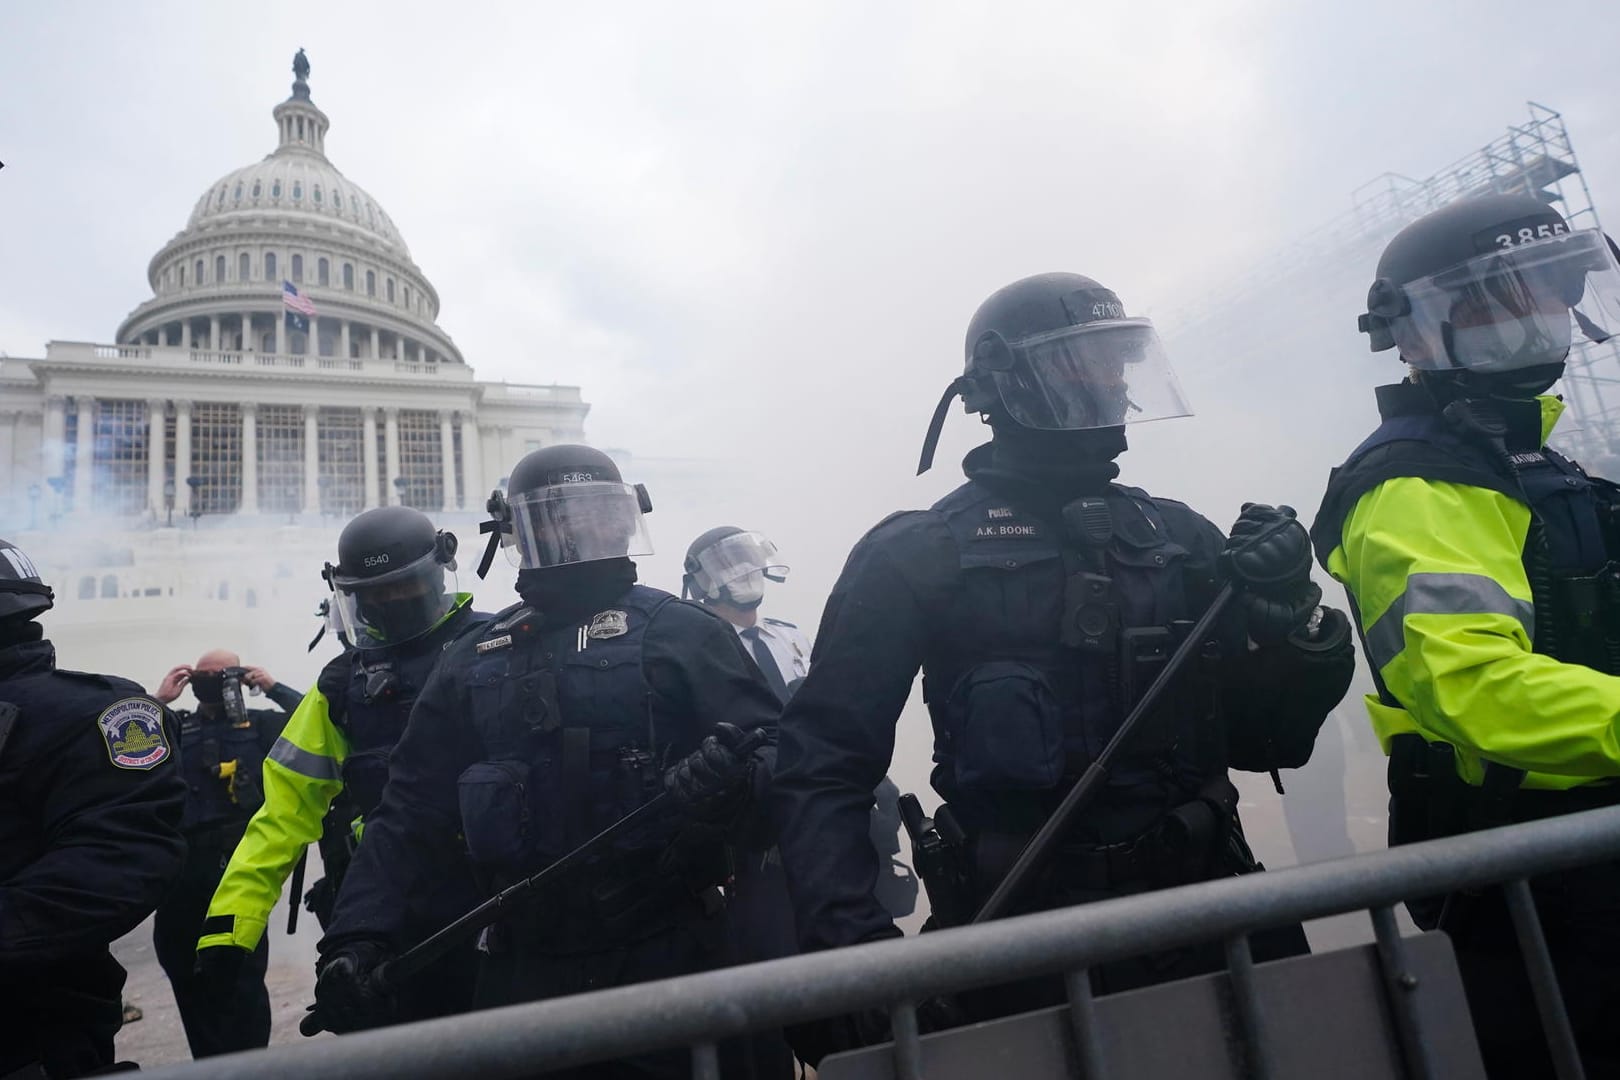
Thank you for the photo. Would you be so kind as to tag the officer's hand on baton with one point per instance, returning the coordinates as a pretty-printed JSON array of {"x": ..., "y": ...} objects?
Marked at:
[
  {"x": 1268, "y": 557},
  {"x": 348, "y": 994},
  {"x": 709, "y": 782}
]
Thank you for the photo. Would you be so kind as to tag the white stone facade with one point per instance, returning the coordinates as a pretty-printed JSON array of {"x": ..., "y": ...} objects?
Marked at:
[{"x": 211, "y": 405}]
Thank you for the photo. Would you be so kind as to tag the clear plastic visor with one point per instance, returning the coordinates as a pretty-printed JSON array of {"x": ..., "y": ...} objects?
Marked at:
[
  {"x": 1099, "y": 375},
  {"x": 400, "y": 605},
  {"x": 735, "y": 556},
  {"x": 1511, "y": 309},
  {"x": 575, "y": 523}
]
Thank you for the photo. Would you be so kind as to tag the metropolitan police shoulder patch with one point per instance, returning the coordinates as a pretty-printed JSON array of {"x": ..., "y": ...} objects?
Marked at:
[
  {"x": 133, "y": 731},
  {"x": 608, "y": 624}
]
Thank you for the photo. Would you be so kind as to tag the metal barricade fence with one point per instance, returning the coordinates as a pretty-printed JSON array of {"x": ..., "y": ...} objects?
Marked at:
[{"x": 700, "y": 1010}]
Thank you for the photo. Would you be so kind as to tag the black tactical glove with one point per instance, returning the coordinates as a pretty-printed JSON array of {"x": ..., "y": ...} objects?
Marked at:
[
  {"x": 347, "y": 997},
  {"x": 218, "y": 967},
  {"x": 1268, "y": 556},
  {"x": 711, "y": 782}
]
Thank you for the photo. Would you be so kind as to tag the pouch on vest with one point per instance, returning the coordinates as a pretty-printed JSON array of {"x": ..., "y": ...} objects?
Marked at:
[
  {"x": 364, "y": 776},
  {"x": 494, "y": 800},
  {"x": 1006, "y": 727}
]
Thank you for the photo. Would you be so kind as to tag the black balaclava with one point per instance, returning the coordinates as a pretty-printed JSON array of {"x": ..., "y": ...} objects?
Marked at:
[
  {"x": 564, "y": 594},
  {"x": 19, "y": 632},
  {"x": 1064, "y": 464},
  {"x": 209, "y": 688}
]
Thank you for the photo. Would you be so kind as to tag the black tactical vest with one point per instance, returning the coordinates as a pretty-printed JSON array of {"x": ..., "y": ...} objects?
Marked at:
[
  {"x": 1574, "y": 584},
  {"x": 369, "y": 694},
  {"x": 1048, "y": 642},
  {"x": 222, "y": 760},
  {"x": 563, "y": 719}
]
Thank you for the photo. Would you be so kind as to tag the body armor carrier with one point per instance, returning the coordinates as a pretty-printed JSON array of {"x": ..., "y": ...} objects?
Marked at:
[{"x": 1055, "y": 632}]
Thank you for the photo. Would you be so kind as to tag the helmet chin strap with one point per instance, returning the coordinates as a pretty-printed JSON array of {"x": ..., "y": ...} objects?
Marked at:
[{"x": 937, "y": 424}]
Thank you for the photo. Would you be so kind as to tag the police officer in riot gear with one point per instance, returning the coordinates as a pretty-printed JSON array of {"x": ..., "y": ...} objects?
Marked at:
[
  {"x": 90, "y": 803},
  {"x": 1480, "y": 565},
  {"x": 726, "y": 569},
  {"x": 394, "y": 599},
  {"x": 559, "y": 717},
  {"x": 1040, "y": 599},
  {"x": 222, "y": 749}
]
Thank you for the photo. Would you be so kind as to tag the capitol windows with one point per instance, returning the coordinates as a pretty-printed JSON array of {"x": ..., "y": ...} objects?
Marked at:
[
  {"x": 341, "y": 440},
  {"x": 407, "y": 297},
  {"x": 256, "y": 189},
  {"x": 371, "y": 283},
  {"x": 269, "y": 266},
  {"x": 121, "y": 436},
  {"x": 419, "y": 459},
  {"x": 275, "y": 189},
  {"x": 182, "y": 269},
  {"x": 199, "y": 278},
  {"x": 216, "y": 456},
  {"x": 237, "y": 196},
  {"x": 219, "y": 268},
  {"x": 337, "y": 200},
  {"x": 348, "y": 276},
  {"x": 221, "y": 195},
  {"x": 390, "y": 284},
  {"x": 281, "y": 458},
  {"x": 244, "y": 266},
  {"x": 317, "y": 194},
  {"x": 298, "y": 190},
  {"x": 298, "y": 268},
  {"x": 323, "y": 270}
]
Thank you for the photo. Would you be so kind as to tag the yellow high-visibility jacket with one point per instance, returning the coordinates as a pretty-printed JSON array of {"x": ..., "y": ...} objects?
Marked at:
[
  {"x": 302, "y": 775},
  {"x": 1435, "y": 569}
]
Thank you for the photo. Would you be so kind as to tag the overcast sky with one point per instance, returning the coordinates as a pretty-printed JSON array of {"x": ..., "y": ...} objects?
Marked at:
[{"x": 757, "y": 231}]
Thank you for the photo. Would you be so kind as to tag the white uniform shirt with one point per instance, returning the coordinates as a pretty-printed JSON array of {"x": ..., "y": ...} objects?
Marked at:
[{"x": 788, "y": 645}]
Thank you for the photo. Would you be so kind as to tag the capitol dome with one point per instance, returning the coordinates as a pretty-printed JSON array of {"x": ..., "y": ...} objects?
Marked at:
[{"x": 291, "y": 219}]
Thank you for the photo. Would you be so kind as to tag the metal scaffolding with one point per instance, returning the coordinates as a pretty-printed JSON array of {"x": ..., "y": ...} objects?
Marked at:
[{"x": 1536, "y": 158}]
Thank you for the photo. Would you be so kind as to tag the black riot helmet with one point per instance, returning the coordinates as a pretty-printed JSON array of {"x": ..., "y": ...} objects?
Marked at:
[
  {"x": 566, "y": 504},
  {"x": 394, "y": 579},
  {"x": 1056, "y": 352},
  {"x": 23, "y": 596},
  {"x": 1488, "y": 293},
  {"x": 731, "y": 565}
]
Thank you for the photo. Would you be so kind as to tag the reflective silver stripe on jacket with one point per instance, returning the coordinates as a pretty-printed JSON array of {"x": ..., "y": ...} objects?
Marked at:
[
  {"x": 304, "y": 763},
  {"x": 1443, "y": 594}
]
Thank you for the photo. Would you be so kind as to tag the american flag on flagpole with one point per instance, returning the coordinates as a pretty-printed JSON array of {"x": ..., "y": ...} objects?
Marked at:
[{"x": 299, "y": 307}]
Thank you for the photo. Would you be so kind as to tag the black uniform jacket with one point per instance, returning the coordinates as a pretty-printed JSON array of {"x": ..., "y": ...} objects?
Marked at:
[
  {"x": 90, "y": 802},
  {"x": 902, "y": 603},
  {"x": 692, "y": 673}
]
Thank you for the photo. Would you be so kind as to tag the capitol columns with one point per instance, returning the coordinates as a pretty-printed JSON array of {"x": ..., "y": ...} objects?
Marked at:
[
  {"x": 213, "y": 334},
  {"x": 157, "y": 409},
  {"x": 343, "y": 348},
  {"x": 368, "y": 452},
  {"x": 312, "y": 460},
  {"x": 182, "y": 456},
  {"x": 472, "y": 469},
  {"x": 391, "y": 453},
  {"x": 447, "y": 458},
  {"x": 55, "y": 432},
  {"x": 376, "y": 343},
  {"x": 250, "y": 457},
  {"x": 84, "y": 459},
  {"x": 281, "y": 335}
]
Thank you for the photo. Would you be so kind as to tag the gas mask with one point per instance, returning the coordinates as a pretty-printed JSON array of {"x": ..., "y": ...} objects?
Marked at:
[{"x": 746, "y": 592}]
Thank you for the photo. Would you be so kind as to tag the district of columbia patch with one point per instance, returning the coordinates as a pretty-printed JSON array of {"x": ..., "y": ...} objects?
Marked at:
[
  {"x": 609, "y": 624},
  {"x": 133, "y": 731}
]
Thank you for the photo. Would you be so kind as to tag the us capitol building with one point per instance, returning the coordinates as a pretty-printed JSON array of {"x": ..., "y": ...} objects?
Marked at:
[{"x": 229, "y": 399}]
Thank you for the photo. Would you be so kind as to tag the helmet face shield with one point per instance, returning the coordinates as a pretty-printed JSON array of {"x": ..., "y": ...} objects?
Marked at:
[
  {"x": 1514, "y": 308},
  {"x": 394, "y": 607},
  {"x": 575, "y": 523},
  {"x": 1096, "y": 375},
  {"x": 738, "y": 565}
]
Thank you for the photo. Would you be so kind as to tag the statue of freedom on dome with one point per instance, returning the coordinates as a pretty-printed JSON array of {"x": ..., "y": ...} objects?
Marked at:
[{"x": 300, "y": 66}]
